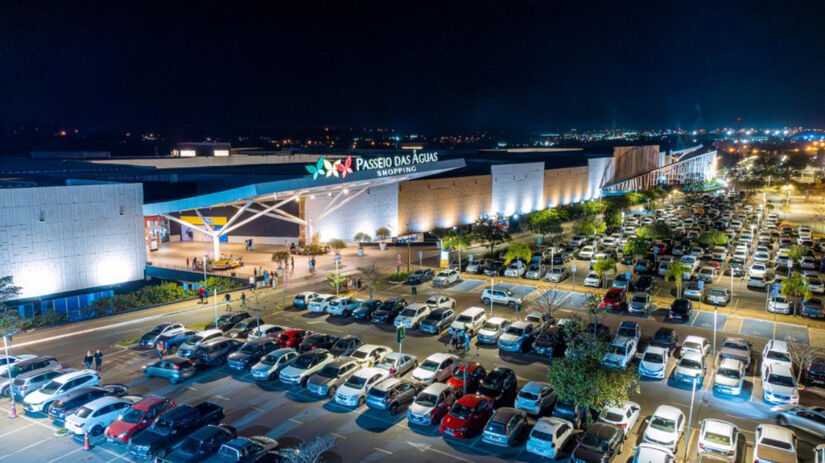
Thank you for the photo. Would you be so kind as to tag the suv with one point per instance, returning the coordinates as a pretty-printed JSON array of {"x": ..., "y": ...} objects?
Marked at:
[
  {"x": 80, "y": 397},
  {"x": 550, "y": 342},
  {"x": 411, "y": 316},
  {"x": 342, "y": 306},
  {"x": 202, "y": 443},
  {"x": 471, "y": 320},
  {"x": 492, "y": 329},
  {"x": 24, "y": 366},
  {"x": 215, "y": 351},
  {"x": 33, "y": 380},
  {"x": 39, "y": 401},
  {"x": 504, "y": 427},
  {"x": 150, "y": 337},
  {"x": 246, "y": 448},
  {"x": 228, "y": 320},
  {"x": 299, "y": 371},
  {"x": 681, "y": 310},
  {"x": 269, "y": 368},
  {"x": 334, "y": 374},
  {"x": 600, "y": 443},
  {"x": 346, "y": 346},
  {"x": 392, "y": 394},
  {"x": 518, "y": 337},
  {"x": 302, "y": 300},
  {"x": 388, "y": 310},
  {"x": 250, "y": 353},
  {"x": 137, "y": 418},
  {"x": 437, "y": 320},
  {"x": 171, "y": 427},
  {"x": 188, "y": 348},
  {"x": 500, "y": 296}
]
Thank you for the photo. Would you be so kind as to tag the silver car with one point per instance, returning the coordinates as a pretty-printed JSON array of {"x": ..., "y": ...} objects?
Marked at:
[
  {"x": 334, "y": 374},
  {"x": 807, "y": 418},
  {"x": 402, "y": 363}
]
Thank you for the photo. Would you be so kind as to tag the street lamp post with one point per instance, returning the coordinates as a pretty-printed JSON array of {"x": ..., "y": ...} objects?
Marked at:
[
  {"x": 715, "y": 315},
  {"x": 13, "y": 411},
  {"x": 337, "y": 276},
  {"x": 492, "y": 288},
  {"x": 690, "y": 417},
  {"x": 204, "y": 270},
  {"x": 214, "y": 303}
]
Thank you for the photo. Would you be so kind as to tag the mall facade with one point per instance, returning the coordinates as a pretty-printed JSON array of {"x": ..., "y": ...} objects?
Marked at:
[{"x": 83, "y": 225}]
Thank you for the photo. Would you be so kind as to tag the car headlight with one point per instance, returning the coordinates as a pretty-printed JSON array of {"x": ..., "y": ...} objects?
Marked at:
[{"x": 123, "y": 434}]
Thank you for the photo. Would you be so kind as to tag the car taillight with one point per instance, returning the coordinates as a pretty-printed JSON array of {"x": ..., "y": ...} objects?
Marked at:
[
  {"x": 23, "y": 388},
  {"x": 624, "y": 426},
  {"x": 508, "y": 431},
  {"x": 702, "y": 446},
  {"x": 177, "y": 367},
  {"x": 731, "y": 452}
]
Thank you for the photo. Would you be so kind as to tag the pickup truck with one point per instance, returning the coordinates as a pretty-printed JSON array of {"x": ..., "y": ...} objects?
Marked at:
[
  {"x": 171, "y": 428},
  {"x": 774, "y": 444}
]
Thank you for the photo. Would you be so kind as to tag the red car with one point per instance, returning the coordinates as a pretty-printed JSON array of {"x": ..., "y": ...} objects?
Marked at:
[
  {"x": 467, "y": 417},
  {"x": 137, "y": 418},
  {"x": 291, "y": 338},
  {"x": 615, "y": 299},
  {"x": 475, "y": 372}
]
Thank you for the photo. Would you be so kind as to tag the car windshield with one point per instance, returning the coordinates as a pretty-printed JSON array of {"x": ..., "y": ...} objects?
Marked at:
[
  {"x": 239, "y": 326},
  {"x": 83, "y": 412},
  {"x": 360, "y": 354},
  {"x": 612, "y": 296},
  {"x": 593, "y": 441},
  {"x": 329, "y": 371},
  {"x": 250, "y": 348},
  {"x": 461, "y": 411},
  {"x": 614, "y": 416},
  {"x": 443, "y": 274},
  {"x": 51, "y": 387},
  {"x": 541, "y": 435},
  {"x": 409, "y": 312},
  {"x": 729, "y": 373},
  {"x": 616, "y": 349},
  {"x": 690, "y": 364},
  {"x": 653, "y": 357},
  {"x": 155, "y": 331},
  {"x": 303, "y": 362},
  {"x": 429, "y": 365},
  {"x": 426, "y": 400},
  {"x": 781, "y": 356},
  {"x": 776, "y": 443},
  {"x": 780, "y": 380},
  {"x": 515, "y": 331},
  {"x": 734, "y": 345},
  {"x": 190, "y": 445},
  {"x": 464, "y": 319},
  {"x": 342, "y": 344},
  {"x": 271, "y": 359},
  {"x": 662, "y": 336},
  {"x": 717, "y": 438},
  {"x": 491, "y": 326},
  {"x": 662, "y": 424},
  {"x": 356, "y": 382},
  {"x": 640, "y": 299},
  {"x": 692, "y": 346},
  {"x": 132, "y": 416}
]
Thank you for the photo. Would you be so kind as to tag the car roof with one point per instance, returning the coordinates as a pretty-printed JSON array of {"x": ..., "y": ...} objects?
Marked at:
[
  {"x": 603, "y": 430},
  {"x": 496, "y": 320},
  {"x": 216, "y": 340},
  {"x": 436, "y": 388},
  {"x": 440, "y": 357},
  {"x": 368, "y": 347},
  {"x": 472, "y": 366},
  {"x": 520, "y": 324},
  {"x": 730, "y": 362},
  {"x": 148, "y": 402},
  {"x": 550, "y": 423},
  {"x": 781, "y": 369},
  {"x": 623, "y": 406},
  {"x": 693, "y": 338},
  {"x": 668, "y": 411},
  {"x": 719, "y": 426},
  {"x": 504, "y": 414},
  {"x": 534, "y": 386},
  {"x": 103, "y": 401},
  {"x": 776, "y": 432},
  {"x": 656, "y": 349},
  {"x": 209, "y": 332},
  {"x": 368, "y": 372},
  {"x": 73, "y": 374},
  {"x": 777, "y": 345},
  {"x": 471, "y": 400}
]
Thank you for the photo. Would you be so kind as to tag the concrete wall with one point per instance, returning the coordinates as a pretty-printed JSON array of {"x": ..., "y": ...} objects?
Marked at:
[
  {"x": 443, "y": 202},
  {"x": 631, "y": 161},
  {"x": 375, "y": 208},
  {"x": 517, "y": 188},
  {"x": 565, "y": 186},
  {"x": 600, "y": 171},
  {"x": 67, "y": 238}
]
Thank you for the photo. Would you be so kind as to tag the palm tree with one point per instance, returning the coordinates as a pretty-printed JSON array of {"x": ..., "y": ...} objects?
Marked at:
[
  {"x": 603, "y": 265},
  {"x": 796, "y": 254},
  {"x": 676, "y": 271},
  {"x": 458, "y": 240},
  {"x": 518, "y": 251},
  {"x": 795, "y": 287}
]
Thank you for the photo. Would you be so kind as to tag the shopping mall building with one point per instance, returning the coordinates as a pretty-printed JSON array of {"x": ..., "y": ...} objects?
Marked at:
[{"x": 87, "y": 224}]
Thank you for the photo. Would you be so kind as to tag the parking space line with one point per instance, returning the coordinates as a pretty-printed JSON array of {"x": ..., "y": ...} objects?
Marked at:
[
  {"x": 382, "y": 450},
  {"x": 190, "y": 388},
  {"x": 296, "y": 421},
  {"x": 220, "y": 397},
  {"x": 339, "y": 436},
  {"x": 18, "y": 429},
  {"x": 27, "y": 447},
  {"x": 117, "y": 455},
  {"x": 65, "y": 455}
]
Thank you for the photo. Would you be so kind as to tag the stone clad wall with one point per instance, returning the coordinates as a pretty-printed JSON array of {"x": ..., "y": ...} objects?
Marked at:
[
  {"x": 444, "y": 202},
  {"x": 565, "y": 186}
]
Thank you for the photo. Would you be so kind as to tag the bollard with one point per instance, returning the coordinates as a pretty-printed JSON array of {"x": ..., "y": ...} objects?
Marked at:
[{"x": 86, "y": 445}]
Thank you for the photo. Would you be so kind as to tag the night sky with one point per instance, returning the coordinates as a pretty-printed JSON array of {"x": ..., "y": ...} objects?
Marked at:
[{"x": 415, "y": 66}]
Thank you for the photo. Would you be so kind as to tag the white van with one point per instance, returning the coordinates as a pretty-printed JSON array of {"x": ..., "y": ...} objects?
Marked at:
[{"x": 470, "y": 320}]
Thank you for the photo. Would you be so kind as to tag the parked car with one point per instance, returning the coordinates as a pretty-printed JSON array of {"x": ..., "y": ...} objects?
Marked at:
[
  {"x": 640, "y": 303},
  {"x": 666, "y": 338},
  {"x": 342, "y": 306},
  {"x": 416, "y": 277},
  {"x": 136, "y": 418},
  {"x": 654, "y": 362},
  {"x": 779, "y": 384},
  {"x": 548, "y": 436},
  {"x": 392, "y": 394},
  {"x": 446, "y": 278},
  {"x": 467, "y": 416},
  {"x": 680, "y": 310},
  {"x": 250, "y": 353},
  {"x": 469, "y": 374},
  {"x": 320, "y": 302},
  {"x": 779, "y": 304},
  {"x": 302, "y": 300},
  {"x": 93, "y": 417},
  {"x": 246, "y": 449},
  {"x": 567, "y": 410},
  {"x": 412, "y": 316},
  {"x": 437, "y": 321},
  {"x": 504, "y": 427},
  {"x": 354, "y": 390},
  {"x": 776, "y": 352},
  {"x": 40, "y": 400},
  {"x": 470, "y": 320},
  {"x": 172, "y": 369},
  {"x": 718, "y": 296},
  {"x": 398, "y": 362},
  {"x": 814, "y": 372},
  {"x": 500, "y": 296},
  {"x": 326, "y": 381},
  {"x": 228, "y": 320},
  {"x": 174, "y": 339},
  {"x": 370, "y": 353},
  {"x": 600, "y": 443},
  {"x": 40, "y": 362},
  {"x": 346, "y": 346},
  {"x": 150, "y": 337},
  {"x": 308, "y": 363},
  {"x": 388, "y": 310},
  {"x": 624, "y": 416},
  {"x": 72, "y": 401},
  {"x": 431, "y": 404},
  {"x": 317, "y": 341},
  {"x": 215, "y": 351},
  {"x": 202, "y": 444},
  {"x": 292, "y": 338},
  {"x": 265, "y": 331},
  {"x": 518, "y": 337},
  {"x": 718, "y": 438},
  {"x": 729, "y": 377},
  {"x": 550, "y": 342},
  {"x": 187, "y": 349},
  {"x": 737, "y": 348},
  {"x": 436, "y": 368},
  {"x": 774, "y": 444},
  {"x": 515, "y": 269},
  {"x": 813, "y": 308},
  {"x": 593, "y": 280},
  {"x": 270, "y": 366},
  {"x": 557, "y": 274},
  {"x": 172, "y": 427},
  {"x": 535, "y": 398},
  {"x": 30, "y": 381},
  {"x": 365, "y": 309},
  {"x": 620, "y": 352},
  {"x": 534, "y": 271},
  {"x": 499, "y": 385},
  {"x": 665, "y": 427},
  {"x": 243, "y": 328}
]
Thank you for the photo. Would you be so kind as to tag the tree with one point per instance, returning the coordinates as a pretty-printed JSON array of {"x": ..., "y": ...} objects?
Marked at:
[
  {"x": 458, "y": 240},
  {"x": 373, "y": 277},
  {"x": 601, "y": 266},
  {"x": 613, "y": 217},
  {"x": 337, "y": 245},
  {"x": 281, "y": 257},
  {"x": 9, "y": 320},
  {"x": 547, "y": 221},
  {"x": 548, "y": 303},
  {"x": 796, "y": 254},
  {"x": 595, "y": 207},
  {"x": 654, "y": 231},
  {"x": 491, "y": 235},
  {"x": 382, "y": 233},
  {"x": 714, "y": 238},
  {"x": 589, "y": 225},
  {"x": 595, "y": 309},
  {"x": 518, "y": 251},
  {"x": 676, "y": 271},
  {"x": 335, "y": 279},
  {"x": 802, "y": 355},
  {"x": 795, "y": 287},
  {"x": 312, "y": 451},
  {"x": 582, "y": 379},
  {"x": 636, "y": 247},
  {"x": 362, "y": 237}
]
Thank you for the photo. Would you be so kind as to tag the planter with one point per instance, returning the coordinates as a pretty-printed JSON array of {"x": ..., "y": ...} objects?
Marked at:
[
  {"x": 382, "y": 246},
  {"x": 360, "y": 252}
]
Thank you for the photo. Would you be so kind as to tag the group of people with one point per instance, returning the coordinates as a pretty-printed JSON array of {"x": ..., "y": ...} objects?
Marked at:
[
  {"x": 97, "y": 358},
  {"x": 460, "y": 340}
]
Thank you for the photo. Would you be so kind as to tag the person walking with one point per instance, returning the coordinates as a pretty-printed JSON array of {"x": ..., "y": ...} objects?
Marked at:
[
  {"x": 243, "y": 299},
  {"x": 226, "y": 299},
  {"x": 98, "y": 359},
  {"x": 466, "y": 341},
  {"x": 292, "y": 262},
  {"x": 187, "y": 262},
  {"x": 87, "y": 360},
  {"x": 161, "y": 348},
  {"x": 201, "y": 293}
]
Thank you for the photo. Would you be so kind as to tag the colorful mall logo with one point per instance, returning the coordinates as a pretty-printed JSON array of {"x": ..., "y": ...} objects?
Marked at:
[{"x": 330, "y": 169}]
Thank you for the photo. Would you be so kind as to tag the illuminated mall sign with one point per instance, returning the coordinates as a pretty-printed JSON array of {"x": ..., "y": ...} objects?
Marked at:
[{"x": 382, "y": 166}]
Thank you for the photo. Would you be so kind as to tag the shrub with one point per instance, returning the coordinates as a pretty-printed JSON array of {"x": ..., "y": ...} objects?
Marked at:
[{"x": 398, "y": 277}]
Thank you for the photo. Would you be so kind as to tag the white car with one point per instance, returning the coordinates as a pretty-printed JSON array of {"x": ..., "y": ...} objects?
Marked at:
[
  {"x": 757, "y": 270},
  {"x": 411, "y": 316},
  {"x": 696, "y": 344},
  {"x": 534, "y": 271},
  {"x": 370, "y": 354},
  {"x": 623, "y": 416},
  {"x": 641, "y": 303},
  {"x": 815, "y": 285},
  {"x": 440, "y": 302},
  {"x": 665, "y": 428},
  {"x": 779, "y": 304},
  {"x": 557, "y": 274},
  {"x": 779, "y": 385},
  {"x": 437, "y": 367},
  {"x": 446, "y": 277},
  {"x": 263, "y": 331},
  {"x": 774, "y": 443},
  {"x": 492, "y": 329},
  {"x": 187, "y": 349},
  {"x": 761, "y": 257},
  {"x": 718, "y": 438},
  {"x": 430, "y": 404},
  {"x": 586, "y": 253},
  {"x": 96, "y": 415},
  {"x": 342, "y": 306},
  {"x": 729, "y": 377},
  {"x": 808, "y": 263},
  {"x": 353, "y": 392},
  {"x": 654, "y": 362},
  {"x": 307, "y": 364},
  {"x": 549, "y": 435},
  {"x": 652, "y": 453},
  {"x": 592, "y": 280},
  {"x": 619, "y": 353},
  {"x": 515, "y": 270},
  {"x": 776, "y": 352},
  {"x": 10, "y": 360},
  {"x": 690, "y": 369},
  {"x": 40, "y": 400},
  {"x": 320, "y": 303}
]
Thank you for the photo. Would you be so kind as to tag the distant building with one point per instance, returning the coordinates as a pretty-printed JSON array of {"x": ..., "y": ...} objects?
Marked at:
[{"x": 201, "y": 149}]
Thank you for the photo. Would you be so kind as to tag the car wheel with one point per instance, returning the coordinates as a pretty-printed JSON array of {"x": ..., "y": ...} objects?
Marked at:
[
  {"x": 394, "y": 409},
  {"x": 781, "y": 420},
  {"x": 304, "y": 382},
  {"x": 97, "y": 430},
  {"x": 511, "y": 304},
  {"x": 486, "y": 300},
  {"x": 361, "y": 401},
  {"x": 331, "y": 392},
  {"x": 161, "y": 454}
]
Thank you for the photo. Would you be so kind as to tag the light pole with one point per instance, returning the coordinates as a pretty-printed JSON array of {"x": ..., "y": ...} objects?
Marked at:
[
  {"x": 492, "y": 288},
  {"x": 13, "y": 411},
  {"x": 204, "y": 270},
  {"x": 337, "y": 276},
  {"x": 214, "y": 304},
  {"x": 715, "y": 314},
  {"x": 690, "y": 417}
]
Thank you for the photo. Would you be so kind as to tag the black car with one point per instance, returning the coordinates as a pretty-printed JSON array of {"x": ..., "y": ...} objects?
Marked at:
[
  {"x": 419, "y": 276},
  {"x": 365, "y": 309},
  {"x": 72, "y": 401},
  {"x": 388, "y": 310},
  {"x": 599, "y": 444},
  {"x": 228, "y": 320},
  {"x": 246, "y": 449},
  {"x": 601, "y": 331},
  {"x": 202, "y": 443},
  {"x": 645, "y": 283},
  {"x": 666, "y": 338},
  {"x": 317, "y": 341},
  {"x": 550, "y": 342},
  {"x": 566, "y": 409},
  {"x": 680, "y": 310},
  {"x": 244, "y": 327},
  {"x": 346, "y": 345},
  {"x": 172, "y": 427},
  {"x": 250, "y": 353},
  {"x": 437, "y": 321},
  {"x": 494, "y": 268},
  {"x": 500, "y": 385},
  {"x": 814, "y": 373}
]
